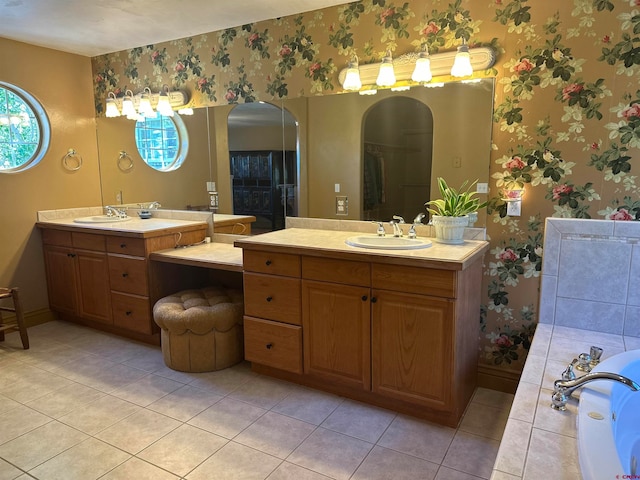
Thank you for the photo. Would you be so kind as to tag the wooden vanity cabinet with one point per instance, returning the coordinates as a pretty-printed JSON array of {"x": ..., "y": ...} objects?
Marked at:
[
  {"x": 397, "y": 336},
  {"x": 103, "y": 280}
]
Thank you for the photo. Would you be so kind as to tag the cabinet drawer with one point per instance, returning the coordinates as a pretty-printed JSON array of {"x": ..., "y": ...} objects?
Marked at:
[
  {"x": 425, "y": 281},
  {"x": 273, "y": 344},
  {"x": 88, "y": 241},
  {"x": 128, "y": 275},
  {"x": 56, "y": 237},
  {"x": 126, "y": 246},
  {"x": 132, "y": 313},
  {"x": 336, "y": 271},
  {"x": 273, "y": 263},
  {"x": 272, "y": 297}
]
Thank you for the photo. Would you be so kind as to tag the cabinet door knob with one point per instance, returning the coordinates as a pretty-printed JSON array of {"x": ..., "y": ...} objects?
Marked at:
[
  {"x": 128, "y": 312},
  {"x": 267, "y": 263},
  {"x": 269, "y": 298},
  {"x": 374, "y": 299},
  {"x": 71, "y": 255},
  {"x": 125, "y": 275},
  {"x": 364, "y": 298},
  {"x": 123, "y": 245},
  {"x": 269, "y": 346}
]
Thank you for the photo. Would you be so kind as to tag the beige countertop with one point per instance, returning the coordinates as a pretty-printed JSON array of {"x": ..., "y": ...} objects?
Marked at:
[
  {"x": 221, "y": 256},
  {"x": 224, "y": 219},
  {"x": 135, "y": 227},
  {"x": 314, "y": 242}
]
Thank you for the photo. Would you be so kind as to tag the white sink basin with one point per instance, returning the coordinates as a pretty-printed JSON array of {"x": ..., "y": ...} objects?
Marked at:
[
  {"x": 101, "y": 219},
  {"x": 387, "y": 243}
]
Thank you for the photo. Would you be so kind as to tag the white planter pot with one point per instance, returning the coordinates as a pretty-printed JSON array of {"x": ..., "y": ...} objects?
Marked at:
[{"x": 450, "y": 229}]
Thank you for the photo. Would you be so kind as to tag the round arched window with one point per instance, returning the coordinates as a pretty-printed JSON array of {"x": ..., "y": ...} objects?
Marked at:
[
  {"x": 24, "y": 130},
  {"x": 162, "y": 141}
]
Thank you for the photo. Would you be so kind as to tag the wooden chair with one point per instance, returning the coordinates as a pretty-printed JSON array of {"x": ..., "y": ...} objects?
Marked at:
[{"x": 17, "y": 323}]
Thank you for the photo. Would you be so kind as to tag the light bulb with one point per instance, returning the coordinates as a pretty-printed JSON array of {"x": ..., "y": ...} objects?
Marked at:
[
  {"x": 112, "y": 109},
  {"x": 164, "y": 105},
  {"x": 386, "y": 74},
  {"x": 128, "y": 109},
  {"x": 352, "y": 78},
  {"x": 422, "y": 71},
  {"x": 462, "y": 62},
  {"x": 145, "y": 108}
]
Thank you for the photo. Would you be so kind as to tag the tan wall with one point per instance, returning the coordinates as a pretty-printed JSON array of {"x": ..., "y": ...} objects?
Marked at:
[{"x": 62, "y": 83}]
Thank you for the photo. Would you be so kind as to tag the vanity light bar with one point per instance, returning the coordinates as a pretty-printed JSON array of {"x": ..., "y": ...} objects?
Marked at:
[
  {"x": 404, "y": 65},
  {"x": 177, "y": 99}
]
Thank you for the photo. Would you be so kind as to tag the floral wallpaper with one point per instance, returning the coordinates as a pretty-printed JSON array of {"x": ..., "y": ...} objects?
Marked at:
[{"x": 566, "y": 113}]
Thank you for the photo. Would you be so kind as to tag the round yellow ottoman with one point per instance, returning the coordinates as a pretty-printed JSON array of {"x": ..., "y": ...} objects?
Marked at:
[{"x": 201, "y": 329}]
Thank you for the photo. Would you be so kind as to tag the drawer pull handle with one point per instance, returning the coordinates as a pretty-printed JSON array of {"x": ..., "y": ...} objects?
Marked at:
[
  {"x": 267, "y": 263},
  {"x": 128, "y": 312},
  {"x": 71, "y": 255},
  {"x": 125, "y": 275},
  {"x": 269, "y": 298},
  {"x": 374, "y": 299},
  {"x": 123, "y": 245},
  {"x": 269, "y": 346},
  {"x": 364, "y": 298}
]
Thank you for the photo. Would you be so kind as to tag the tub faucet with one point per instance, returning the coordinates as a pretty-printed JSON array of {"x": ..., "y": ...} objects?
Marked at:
[
  {"x": 562, "y": 389},
  {"x": 395, "y": 223}
]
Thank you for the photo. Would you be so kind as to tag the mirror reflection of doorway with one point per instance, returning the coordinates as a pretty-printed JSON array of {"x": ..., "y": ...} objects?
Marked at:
[
  {"x": 397, "y": 155},
  {"x": 263, "y": 167}
]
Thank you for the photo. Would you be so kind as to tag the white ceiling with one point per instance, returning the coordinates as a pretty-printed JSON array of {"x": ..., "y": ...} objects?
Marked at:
[{"x": 96, "y": 27}]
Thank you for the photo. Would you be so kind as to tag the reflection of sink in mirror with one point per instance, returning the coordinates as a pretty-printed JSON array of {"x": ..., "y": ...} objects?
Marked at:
[
  {"x": 101, "y": 219},
  {"x": 387, "y": 243}
]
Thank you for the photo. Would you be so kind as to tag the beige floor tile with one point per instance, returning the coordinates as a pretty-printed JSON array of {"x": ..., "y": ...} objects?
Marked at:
[
  {"x": 147, "y": 390},
  {"x": 183, "y": 449},
  {"x": 7, "y": 404},
  {"x": 8, "y": 471},
  {"x": 289, "y": 471},
  {"x": 96, "y": 416},
  {"x": 223, "y": 382},
  {"x": 65, "y": 400},
  {"x": 149, "y": 360},
  {"x": 19, "y": 421},
  {"x": 311, "y": 406},
  {"x": 137, "y": 469},
  {"x": 263, "y": 392},
  {"x": 234, "y": 461},
  {"x": 493, "y": 398},
  {"x": 86, "y": 461},
  {"x": 227, "y": 418},
  {"x": 445, "y": 473},
  {"x": 136, "y": 432},
  {"x": 359, "y": 420},
  {"x": 184, "y": 403},
  {"x": 385, "y": 464},
  {"x": 418, "y": 438},
  {"x": 472, "y": 454},
  {"x": 41, "y": 444},
  {"x": 275, "y": 434},
  {"x": 484, "y": 421},
  {"x": 330, "y": 453}
]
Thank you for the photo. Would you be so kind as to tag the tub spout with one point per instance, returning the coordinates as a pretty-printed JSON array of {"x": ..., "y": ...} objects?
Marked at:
[{"x": 562, "y": 389}]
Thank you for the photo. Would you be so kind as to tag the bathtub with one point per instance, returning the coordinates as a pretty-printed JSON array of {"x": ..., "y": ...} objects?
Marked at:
[{"x": 609, "y": 422}]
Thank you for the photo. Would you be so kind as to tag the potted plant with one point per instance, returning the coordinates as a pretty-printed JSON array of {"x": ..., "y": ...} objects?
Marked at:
[{"x": 450, "y": 214}]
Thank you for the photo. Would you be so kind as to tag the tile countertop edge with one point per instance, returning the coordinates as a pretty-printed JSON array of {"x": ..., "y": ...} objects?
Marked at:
[
  {"x": 536, "y": 437},
  {"x": 314, "y": 242},
  {"x": 124, "y": 230}
]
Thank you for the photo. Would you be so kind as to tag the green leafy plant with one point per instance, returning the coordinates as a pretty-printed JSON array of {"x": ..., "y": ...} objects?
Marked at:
[{"x": 454, "y": 202}]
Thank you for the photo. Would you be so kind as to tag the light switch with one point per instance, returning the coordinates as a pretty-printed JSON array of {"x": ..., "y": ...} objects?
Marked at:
[
  {"x": 514, "y": 208},
  {"x": 482, "y": 187},
  {"x": 337, "y": 188}
]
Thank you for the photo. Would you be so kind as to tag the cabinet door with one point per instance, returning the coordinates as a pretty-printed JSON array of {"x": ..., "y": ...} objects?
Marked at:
[
  {"x": 336, "y": 329},
  {"x": 61, "y": 279},
  {"x": 93, "y": 286},
  {"x": 412, "y": 348}
]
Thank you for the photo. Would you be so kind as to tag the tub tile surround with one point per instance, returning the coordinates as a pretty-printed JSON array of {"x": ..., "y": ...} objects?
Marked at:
[
  {"x": 143, "y": 420},
  {"x": 590, "y": 281}
]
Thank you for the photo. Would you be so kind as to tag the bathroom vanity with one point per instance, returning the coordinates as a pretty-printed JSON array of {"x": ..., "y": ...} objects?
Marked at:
[
  {"x": 397, "y": 329},
  {"x": 100, "y": 274}
]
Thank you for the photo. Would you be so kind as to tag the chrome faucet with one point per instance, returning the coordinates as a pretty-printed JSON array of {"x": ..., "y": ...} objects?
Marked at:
[
  {"x": 416, "y": 221},
  {"x": 380, "y": 231},
  {"x": 115, "y": 212},
  {"x": 153, "y": 205},
  {"x": 395, "y": 223},
  {"x": 562, "y": 389}
]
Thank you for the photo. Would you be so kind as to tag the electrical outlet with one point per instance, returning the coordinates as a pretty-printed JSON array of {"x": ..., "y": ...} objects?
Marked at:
[
  {"x": 119, "y": 196},
  {"x": 457, "y": 162},
  {"x": 342, "y": 205},
  {"x": 513, "y": 208},
  {"x": 482, "y": 187}
]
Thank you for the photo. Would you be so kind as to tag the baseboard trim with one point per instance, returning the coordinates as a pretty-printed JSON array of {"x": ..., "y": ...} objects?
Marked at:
[{"x": 499, "y": 379}]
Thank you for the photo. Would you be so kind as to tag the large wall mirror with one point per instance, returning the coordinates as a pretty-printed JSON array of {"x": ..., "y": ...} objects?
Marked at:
[{"x": 407, "y": 139}]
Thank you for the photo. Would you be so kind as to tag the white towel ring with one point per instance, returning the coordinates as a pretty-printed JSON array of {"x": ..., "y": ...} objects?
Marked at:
[
  {"x": 72, "y": 161},
  {"x": 125, "y": 162}
]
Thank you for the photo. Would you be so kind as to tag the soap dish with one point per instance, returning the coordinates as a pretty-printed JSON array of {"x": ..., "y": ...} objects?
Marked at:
[{"x": 144, "y": 214}]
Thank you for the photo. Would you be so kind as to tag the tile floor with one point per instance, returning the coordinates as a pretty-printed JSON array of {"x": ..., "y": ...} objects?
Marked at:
[{"x": 81, "y": 404}]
